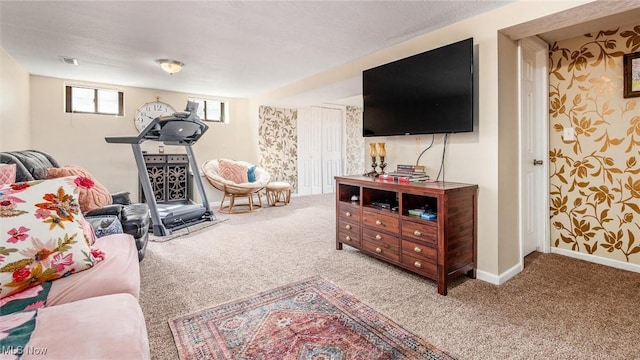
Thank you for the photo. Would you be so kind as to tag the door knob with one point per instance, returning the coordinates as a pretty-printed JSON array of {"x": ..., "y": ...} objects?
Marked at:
[{"x": 537, "y": 162}]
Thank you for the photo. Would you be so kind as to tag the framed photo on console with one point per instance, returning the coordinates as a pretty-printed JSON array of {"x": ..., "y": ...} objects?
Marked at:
[{"x": 631, "y": 75}]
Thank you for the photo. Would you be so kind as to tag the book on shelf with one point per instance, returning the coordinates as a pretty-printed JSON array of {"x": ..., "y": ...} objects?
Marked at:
[
  {"x": 410, "y": 168},
  {"x": 409, "y": 175},
  {"x": 403, "y": 178}
]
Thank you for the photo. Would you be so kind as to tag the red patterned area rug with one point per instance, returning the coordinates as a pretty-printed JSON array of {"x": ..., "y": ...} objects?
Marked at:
[{"x": 309, "y": 319}]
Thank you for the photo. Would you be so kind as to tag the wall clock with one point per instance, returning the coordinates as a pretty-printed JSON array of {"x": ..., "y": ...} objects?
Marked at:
[{"x": 149, "y": 111}]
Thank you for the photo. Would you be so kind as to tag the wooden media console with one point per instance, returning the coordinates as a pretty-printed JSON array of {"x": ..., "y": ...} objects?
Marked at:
[{"x": 373, "y": 216}]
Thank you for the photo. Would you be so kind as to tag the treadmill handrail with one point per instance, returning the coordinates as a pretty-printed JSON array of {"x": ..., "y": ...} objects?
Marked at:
[{"x": 167, "y": 129}]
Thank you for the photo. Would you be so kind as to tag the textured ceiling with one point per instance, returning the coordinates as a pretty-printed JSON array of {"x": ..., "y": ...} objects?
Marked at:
[{"x": 230, "y": 48}]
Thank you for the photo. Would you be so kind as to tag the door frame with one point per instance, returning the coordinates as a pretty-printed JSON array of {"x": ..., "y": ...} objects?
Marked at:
[{"x": 541, "y": 49}]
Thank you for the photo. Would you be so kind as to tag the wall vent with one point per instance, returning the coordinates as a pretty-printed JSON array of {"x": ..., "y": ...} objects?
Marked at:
[{"x": 69, "y": 60}]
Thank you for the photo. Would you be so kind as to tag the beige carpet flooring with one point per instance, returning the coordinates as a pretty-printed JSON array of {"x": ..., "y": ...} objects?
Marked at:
[{"x": 557, "y": 308}]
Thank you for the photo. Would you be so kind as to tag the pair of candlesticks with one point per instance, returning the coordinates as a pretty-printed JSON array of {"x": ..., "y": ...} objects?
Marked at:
[{"x": 381, "y": 152}]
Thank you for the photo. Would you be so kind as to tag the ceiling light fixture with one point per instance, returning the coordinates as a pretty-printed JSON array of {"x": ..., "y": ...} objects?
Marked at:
[{"x": 169, "y": 65}]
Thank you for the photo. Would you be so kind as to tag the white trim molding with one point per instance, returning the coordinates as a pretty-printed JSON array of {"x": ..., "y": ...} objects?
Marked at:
[
  {"x": 597, "y": 259},
  {"x": 502, "y": 278}
]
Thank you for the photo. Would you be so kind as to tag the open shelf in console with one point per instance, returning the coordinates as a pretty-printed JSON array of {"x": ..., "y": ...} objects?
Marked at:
[
  {"x": 428, "y": 204},
  {"x": 380, "y": 199},
  {"x": 347, "y": 192}
]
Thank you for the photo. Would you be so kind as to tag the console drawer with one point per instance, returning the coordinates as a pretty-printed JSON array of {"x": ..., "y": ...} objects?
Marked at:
[
  {"x": 349, "y": 212},
  {"x": 379, "y": 221},
  {"x": 421, "y": 265},
  {"x": 386, "y": 246},
  {"x": 418, "y": 231},
  {"x": 348, "y": 232},
  {"x": 419, "y": 251}
]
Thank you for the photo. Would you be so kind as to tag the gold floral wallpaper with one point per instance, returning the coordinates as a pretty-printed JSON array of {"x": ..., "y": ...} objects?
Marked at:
[
  {"x": 354, "y": 144},
  {"x": 594, "y": 180},
  {"x": 278, "y": 144}
]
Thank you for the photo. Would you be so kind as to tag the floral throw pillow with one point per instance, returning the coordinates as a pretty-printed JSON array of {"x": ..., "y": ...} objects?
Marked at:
[{"x": 41, "y": 234}]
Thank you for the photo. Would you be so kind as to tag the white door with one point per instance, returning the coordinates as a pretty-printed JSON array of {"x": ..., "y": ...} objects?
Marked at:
[
  {"x": 316, "y": 150},
  {"x": 534, "y": 146},
  {"x": 319, "y": 149},
  {"x": 331, "y": 148},
  {"x": 305, "y": 178}
]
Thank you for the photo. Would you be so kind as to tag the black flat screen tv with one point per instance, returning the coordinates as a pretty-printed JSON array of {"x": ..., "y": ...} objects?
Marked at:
[{"x": 428, "y": 93}]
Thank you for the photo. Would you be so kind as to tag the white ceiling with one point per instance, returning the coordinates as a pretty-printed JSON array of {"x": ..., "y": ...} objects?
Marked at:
[{"x": 230, "y": 48}]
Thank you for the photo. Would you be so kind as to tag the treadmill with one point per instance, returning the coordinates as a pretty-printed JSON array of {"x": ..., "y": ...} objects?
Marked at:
[{"x": 181, "y": 128}]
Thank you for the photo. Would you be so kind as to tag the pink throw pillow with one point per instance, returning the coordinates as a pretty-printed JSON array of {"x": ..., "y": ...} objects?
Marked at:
[
  {"x": 232, "y": 171},
  {"x": 7, "y": 174},
  {"x": 93, "y": 195}
]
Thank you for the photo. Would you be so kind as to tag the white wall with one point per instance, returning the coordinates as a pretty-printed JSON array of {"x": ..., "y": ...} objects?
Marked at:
[
  {"x": 15, "y": 125},
  {"x": 79, "y": 138}
]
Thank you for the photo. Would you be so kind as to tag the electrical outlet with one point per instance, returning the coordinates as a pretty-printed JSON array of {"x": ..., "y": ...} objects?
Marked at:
[{"x": 569, "y": 134}]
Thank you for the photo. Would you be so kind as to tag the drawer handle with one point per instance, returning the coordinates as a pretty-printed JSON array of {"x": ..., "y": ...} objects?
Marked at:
[
  {"x": 378, "y": 222},
  {"x": 378, "y": 250},
  {"x": 348, "y": 238},
  {"x": 417, "y": 264},
  {"x": 417, "y": 233},
  {"x": 378, "y": 237},
  {"x": 348, "y": 227},
  {"x": 417, "y": 249},
  {"x": 347, "y": 214}
]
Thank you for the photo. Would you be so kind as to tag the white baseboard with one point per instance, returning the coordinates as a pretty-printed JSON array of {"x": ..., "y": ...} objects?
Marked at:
[
  {"x": 505, "y": 276},
  {"x": 487, "y": 277},
  {"x": 597, "y": 259},
  {"x": 499, "y": 279}
]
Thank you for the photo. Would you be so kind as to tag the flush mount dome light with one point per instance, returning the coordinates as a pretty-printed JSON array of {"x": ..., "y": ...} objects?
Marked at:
[{"x": 169, "y": 65}]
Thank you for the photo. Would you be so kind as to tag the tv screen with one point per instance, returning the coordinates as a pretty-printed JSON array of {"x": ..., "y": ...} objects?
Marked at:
[{"x": 427, "y": 93}]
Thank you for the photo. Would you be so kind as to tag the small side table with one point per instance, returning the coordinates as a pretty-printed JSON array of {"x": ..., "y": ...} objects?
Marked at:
[{"x": 278, "y": 191}]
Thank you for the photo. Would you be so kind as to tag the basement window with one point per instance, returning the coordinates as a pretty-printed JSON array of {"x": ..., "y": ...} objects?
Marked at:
[
  {"x": 86, "y": 100},
  {"x": 213, "y": 110}
]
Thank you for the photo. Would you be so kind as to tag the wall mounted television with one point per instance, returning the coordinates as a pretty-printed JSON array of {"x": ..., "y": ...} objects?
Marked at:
[{"x": 427, "y": 93}]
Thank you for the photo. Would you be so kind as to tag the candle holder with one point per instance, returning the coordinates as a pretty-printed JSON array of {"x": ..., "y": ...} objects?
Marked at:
[
  {"x": 382, "y": 165},
  {"x": 382, "y": 152},
  {"x": 374, "y": 165}
]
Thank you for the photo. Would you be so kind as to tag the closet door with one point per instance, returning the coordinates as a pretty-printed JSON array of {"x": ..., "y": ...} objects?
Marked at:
[
  {"x": 316, "y": 150},
  {"x": 319, "y": 149},
  {"x": 305, "y": 178},
  {"x": 331, "y": 148}
]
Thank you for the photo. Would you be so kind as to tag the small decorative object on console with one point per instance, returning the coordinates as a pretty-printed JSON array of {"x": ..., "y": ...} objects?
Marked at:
[
  {"x": 416, "y": 212},
  {"x": 374, "y": 165},
  {"x": 428, "y": 216},
  {"x": 382, "y": 152}
]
